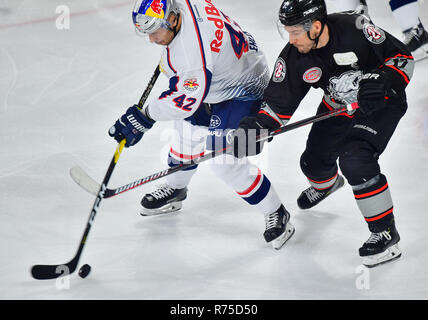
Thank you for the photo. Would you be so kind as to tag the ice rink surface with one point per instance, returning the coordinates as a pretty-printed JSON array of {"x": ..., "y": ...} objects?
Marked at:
[{"x": 61, "y": 90}]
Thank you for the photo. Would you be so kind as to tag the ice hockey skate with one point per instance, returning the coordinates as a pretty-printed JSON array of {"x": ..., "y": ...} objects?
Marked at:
[
  {"x": 311, "y": 196},
  {"x": 416, "y": 40},
  {"x": 381, "y": 247},
  {"x": 278, "y": 228},
  {"x": 164, "y": 199},
  {"x": 362, "y": 8}
]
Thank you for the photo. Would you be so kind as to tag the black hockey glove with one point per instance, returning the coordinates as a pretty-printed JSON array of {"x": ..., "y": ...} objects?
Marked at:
[
  {"x": 372, "y": 92},
  {"x": 132, "y": 126},
  {"x": 249, "y": 131}
]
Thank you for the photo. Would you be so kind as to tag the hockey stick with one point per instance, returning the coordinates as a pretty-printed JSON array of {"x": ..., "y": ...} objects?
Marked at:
[
  {"x": 43, "y": 271},
  {"x": 90, "y": 185},
  {"x": 149, "y": 87}
]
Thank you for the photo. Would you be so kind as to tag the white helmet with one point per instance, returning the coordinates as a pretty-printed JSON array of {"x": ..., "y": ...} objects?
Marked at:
[{"x": 149, "y": 15}]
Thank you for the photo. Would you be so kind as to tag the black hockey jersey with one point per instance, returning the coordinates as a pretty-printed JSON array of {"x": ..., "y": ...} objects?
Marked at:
[{"x": 353, "y": 49}]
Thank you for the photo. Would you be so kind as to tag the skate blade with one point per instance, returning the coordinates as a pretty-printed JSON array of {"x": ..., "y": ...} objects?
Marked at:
[
  {"x": 390, "y": 254},
  {"x": 420, "y": 53},
  {"x": 168, "y": 208},
  {"x": 283, "y": 238}
]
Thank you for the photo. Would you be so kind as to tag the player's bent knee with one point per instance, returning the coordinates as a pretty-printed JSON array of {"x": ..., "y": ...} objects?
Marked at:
[
  {"x": 314, "y": 166},
  {"x": 359, "y": 163}
]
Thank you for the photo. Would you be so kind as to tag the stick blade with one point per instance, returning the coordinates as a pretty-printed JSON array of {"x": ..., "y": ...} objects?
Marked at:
[
  {"x": 84, "y": 180},
  {"x": 46, "y": 272}
]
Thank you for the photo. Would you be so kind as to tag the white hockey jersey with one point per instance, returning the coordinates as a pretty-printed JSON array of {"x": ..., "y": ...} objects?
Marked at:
[{"x": 211, "y": 59}]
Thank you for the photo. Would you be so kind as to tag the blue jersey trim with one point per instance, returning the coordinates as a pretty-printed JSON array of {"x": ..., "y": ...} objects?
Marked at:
[{"x": 208, "y": 74}]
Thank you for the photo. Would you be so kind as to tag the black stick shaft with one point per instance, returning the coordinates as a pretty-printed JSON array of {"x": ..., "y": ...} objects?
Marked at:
[{"x": 149, "y": 87}]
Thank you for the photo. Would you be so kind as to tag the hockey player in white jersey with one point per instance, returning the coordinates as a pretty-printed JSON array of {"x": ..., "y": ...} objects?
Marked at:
[{"x": 217, "y": 76}]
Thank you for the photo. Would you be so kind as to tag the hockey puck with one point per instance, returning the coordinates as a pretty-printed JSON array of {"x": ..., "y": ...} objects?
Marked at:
[{"x": 84, "y": 270}]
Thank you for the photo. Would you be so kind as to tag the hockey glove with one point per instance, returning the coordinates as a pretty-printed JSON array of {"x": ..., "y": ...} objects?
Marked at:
[
  {"x": 132, "y": 126},
  {"x": 250, "y": 130},
  {"x": 372, "y": 92}
]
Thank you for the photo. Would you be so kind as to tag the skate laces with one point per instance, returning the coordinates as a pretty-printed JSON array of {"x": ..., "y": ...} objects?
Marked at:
[
  {"x": 376, "y": 237},
  {"x": 162, "y": 192},
  {"x": 271, "y": 220},
  {"x": 312, "y": 194}
]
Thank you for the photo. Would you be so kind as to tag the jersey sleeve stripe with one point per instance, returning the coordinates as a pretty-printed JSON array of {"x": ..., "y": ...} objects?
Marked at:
[
  {"x": 401, "y": 56},
  {"x": 400, "y": 72},
  {"x": 169, "y": 60},
  {"x": 172, "y": 88},
  {"x": 406, "y": 73},
  {"x": 340, "y": 114},
  {"x": 265, "y": 113},
  {"x": 201, "y": 47}
]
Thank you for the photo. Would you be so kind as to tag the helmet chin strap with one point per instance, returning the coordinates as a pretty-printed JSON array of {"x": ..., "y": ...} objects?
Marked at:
[{"x": 317, "y": 38}]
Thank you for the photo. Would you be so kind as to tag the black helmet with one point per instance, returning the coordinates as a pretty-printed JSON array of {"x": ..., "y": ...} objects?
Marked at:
[{"x": 294, "y": 12}]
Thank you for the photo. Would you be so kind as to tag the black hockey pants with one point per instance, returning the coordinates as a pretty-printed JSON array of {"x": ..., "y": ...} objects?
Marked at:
[{"x": 357, "y": 142}]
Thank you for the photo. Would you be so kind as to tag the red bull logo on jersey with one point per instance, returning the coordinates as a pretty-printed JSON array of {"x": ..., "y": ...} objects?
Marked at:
[
  {"x": 191, "y": 84},
  {"x": 156, "y": 8}
]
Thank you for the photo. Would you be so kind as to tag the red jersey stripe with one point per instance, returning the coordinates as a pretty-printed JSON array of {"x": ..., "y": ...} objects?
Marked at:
[
  {"x": 400, "y": 72},
  {"x": 264, "y": 112},
  {"x": 340, "y": 114}
]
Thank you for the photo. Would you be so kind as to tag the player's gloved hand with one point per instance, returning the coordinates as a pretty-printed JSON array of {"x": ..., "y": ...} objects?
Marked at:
[
  {"x": 372, "y": 92},
  {"x": 250, "y": 128},
  {"x": 132, "y": 126}
]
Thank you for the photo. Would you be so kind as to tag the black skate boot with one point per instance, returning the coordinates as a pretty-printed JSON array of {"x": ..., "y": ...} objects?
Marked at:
[
  {"x": 381, "y": 247},
  {"x": 311, "y": 196},
  {"x": 278, "y": 228},
  {"x": 163, "y": 200},
  {"x": 416, "y": 40}
]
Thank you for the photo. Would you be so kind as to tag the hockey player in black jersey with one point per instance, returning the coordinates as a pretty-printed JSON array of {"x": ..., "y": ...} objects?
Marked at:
[{"x": 352, "y": 60}]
